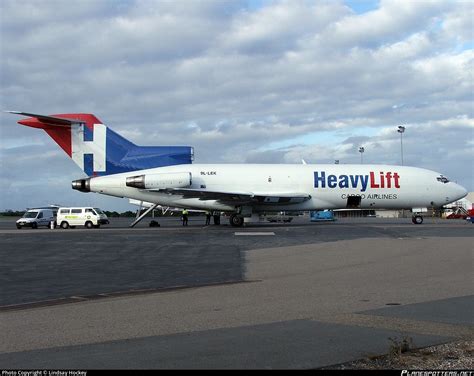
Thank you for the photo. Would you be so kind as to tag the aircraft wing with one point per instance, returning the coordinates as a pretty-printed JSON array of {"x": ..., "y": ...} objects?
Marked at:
[
  {"x": 164, "y": 209},
  {"x": 238, "y": 197}
]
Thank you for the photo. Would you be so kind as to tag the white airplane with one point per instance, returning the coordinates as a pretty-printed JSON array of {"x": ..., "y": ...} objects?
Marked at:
[{"x": 165, "y": 175}]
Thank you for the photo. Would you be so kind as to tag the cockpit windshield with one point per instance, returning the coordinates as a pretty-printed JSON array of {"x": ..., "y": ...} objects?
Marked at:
[
  {"x": 30, "y": 214},
  {"x": 442, "y": 179}
]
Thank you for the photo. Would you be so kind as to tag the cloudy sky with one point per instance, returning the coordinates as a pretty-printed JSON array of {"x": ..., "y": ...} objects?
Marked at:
[{"x": 241, "y": 81}]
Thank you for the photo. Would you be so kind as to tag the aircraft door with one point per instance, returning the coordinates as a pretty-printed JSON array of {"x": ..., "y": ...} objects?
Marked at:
[{"x": 353, "y": 202}]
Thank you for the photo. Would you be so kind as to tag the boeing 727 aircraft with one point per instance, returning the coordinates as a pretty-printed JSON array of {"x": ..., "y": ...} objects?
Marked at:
[{"x": 165, "y": 175}]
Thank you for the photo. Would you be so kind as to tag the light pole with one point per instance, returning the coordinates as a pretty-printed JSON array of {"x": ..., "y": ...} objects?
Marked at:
[
  {"x": 361, "y": 151},
  {"x": 400, "y": 130}
]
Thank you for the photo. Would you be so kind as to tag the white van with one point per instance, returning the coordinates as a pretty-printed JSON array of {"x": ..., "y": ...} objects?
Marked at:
[
  {"x": 89, "y": 217},
  {"x": 37, "y": 217}
]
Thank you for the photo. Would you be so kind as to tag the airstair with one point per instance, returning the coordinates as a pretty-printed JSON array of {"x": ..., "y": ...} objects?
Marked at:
[{"x": 458, "y": 211}]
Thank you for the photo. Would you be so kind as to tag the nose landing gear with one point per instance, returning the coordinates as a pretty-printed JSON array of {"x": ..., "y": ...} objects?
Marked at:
[{"x": 417, "y": 219}]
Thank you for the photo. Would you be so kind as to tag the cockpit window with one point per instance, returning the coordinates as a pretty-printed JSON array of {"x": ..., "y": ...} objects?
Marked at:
[{"x": 442, "y": 179}]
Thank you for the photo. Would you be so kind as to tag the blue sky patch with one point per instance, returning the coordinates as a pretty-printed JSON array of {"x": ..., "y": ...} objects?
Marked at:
[{"x": 362, "y": 6}]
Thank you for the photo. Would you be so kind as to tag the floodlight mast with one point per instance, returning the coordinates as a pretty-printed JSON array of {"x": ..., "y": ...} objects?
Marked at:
[
  {"x": 400, "y": 130},
  {"x": 361, "y": 151}
]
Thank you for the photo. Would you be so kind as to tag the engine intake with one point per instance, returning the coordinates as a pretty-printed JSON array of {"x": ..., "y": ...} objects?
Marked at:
[
  {"x": 160, "y": 181},
  {"x": 136, "y": 181},
  {"x": 83, "y": 185}
]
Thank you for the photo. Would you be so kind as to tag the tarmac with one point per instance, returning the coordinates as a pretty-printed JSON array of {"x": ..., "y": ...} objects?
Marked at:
[{"x": 301, "y": 295}]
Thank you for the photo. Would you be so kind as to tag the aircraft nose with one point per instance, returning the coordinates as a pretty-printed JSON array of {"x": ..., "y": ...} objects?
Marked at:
[{"x": 459, "y": 191}]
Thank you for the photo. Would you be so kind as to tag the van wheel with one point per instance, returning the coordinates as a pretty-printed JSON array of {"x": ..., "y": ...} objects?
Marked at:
[
  {"x": 64, "y": 225},
  {"x": 34, "y": 225},
  {"x": 18, "y": 227},
  {"x": 89, "y": 224}
]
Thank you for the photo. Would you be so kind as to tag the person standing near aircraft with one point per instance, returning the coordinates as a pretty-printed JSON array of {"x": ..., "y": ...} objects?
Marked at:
[
  {"x": 208, "y": 218},
  {"x": 185, "y": 217}
]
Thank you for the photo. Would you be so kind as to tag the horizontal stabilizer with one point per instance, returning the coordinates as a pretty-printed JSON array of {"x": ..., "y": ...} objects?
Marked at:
[{"x": 52, "y": 120}]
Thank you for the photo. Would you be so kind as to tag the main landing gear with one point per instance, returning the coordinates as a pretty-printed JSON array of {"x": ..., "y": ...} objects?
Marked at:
[{"x": 236, "y": 220}]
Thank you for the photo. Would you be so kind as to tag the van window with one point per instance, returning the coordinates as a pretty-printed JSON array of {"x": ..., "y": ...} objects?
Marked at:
[
  {"x": 64, "y": 211},
  {"x": 76, "y": 211},
  {"x": 98, "y": 211},
  {"x": 30, "y": 214},
  {"x": 40, "y": 215},
  {"x": 89, "y": 211}
]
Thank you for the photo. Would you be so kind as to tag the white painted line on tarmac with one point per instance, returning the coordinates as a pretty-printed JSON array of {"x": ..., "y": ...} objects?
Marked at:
[{"x": 254, "y": 233}]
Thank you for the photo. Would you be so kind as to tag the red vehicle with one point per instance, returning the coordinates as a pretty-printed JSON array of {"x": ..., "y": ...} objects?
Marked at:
[{"x": 471, "y": 215}]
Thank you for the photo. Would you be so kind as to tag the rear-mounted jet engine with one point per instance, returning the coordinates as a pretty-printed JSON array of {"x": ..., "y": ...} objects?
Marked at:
[{"x": 160, "y": 181}]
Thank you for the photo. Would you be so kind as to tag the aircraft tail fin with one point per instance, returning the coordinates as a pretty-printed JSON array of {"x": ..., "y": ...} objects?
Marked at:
[{"x": 98, "y": 150}]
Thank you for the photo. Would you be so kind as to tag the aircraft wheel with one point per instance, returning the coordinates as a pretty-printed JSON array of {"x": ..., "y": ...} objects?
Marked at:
[
  {"x": 236, "y": 220},
  {"x": 417, "y": 219},
  {"x": 64, "y": 225}
]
